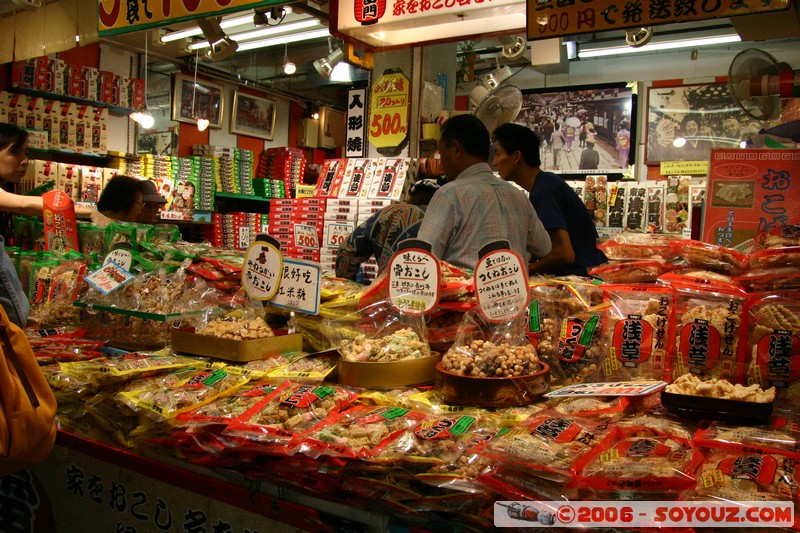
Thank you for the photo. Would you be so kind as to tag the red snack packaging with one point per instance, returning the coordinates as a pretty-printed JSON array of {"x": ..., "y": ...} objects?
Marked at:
[
  {"x": 550, "y": 445},
  {"x": 60, "y": 226},
  {"x": 643, "y": 464},
  {"x": 711, "y": 256},
  {"x": 632, "y": 271},
  {"x": 771, "y": 342},
  {"x": 641, "y": 324},
  {"x": 708, "y": 317},
  {"x": 781, "y": 435}
]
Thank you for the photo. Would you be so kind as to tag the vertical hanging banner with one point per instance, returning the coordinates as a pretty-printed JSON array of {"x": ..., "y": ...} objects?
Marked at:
[
  {"x": 356, "y": 143},
  {"x": 263, "y": 266},
  {"x": 122, "y": 16},
  {"x": 501, "y": 283},
  {"x": 389, "y": 109}
]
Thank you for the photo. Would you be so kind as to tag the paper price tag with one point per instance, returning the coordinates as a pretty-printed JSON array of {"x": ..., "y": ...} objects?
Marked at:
[
  {"x": 336, "y": 234},
  {"x": 299, "y": 286},
  {"x": 262, "y": 268},
  {"x": 108, "y": 278},
  {"x": 501, "y": 283},
  {"x": 306, "y": 236}
]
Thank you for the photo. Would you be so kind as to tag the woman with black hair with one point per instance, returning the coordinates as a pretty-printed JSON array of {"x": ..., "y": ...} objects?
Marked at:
[{"x": 122, "y": 198}]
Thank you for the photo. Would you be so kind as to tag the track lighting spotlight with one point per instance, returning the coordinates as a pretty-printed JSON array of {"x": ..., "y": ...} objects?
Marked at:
[
  {"x": 325, "y": 65},
  {"x": 220, "y": 45}
]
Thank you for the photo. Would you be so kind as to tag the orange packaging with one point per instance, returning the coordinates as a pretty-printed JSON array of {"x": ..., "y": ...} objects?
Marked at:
[{"x": 60, "y": 228}]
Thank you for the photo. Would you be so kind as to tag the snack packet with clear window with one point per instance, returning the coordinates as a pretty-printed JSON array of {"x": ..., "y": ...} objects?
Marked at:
[
  {"x": 631, "y": 271},
  {"x": 712, "y": 257},
  {"x": 747, "y": 476},
  {"x": 378, "y": 333},
  {"x": 488, "y": 349},
  {"x": 771, "y": 326},
  {"x": 781, "y": 435},
  {"x": 640, "y": 324},
  {"x": 288, "y": 412},
  {"x": 644, "y": 463},
  {"x": 708, "y": 320},
  {"x": 358, "y": 433},
  {"x": 630, "y": 246},
  {"x": 550, "y": 445}
]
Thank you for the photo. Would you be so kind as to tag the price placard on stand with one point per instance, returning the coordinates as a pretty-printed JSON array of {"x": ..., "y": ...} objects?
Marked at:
[
  {"x": 305, "y": 235},
  {"x": 501, "y": 283},
  {"x": 336, "y": 233},
  {"x": 263, "y": 264},
  {"x": 414, "y": 277},
  {"x": 299, "y": 286},
  {"x": 389, "y": 109},
  {"x": 108, "y": 278}
]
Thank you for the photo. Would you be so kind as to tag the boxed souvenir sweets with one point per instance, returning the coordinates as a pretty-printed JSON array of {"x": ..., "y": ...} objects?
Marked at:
[{"x": 235, "y": 350}]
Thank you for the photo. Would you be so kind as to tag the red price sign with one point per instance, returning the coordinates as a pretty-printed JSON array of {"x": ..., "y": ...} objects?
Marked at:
[
  {"x": 336, "y": 234},
  {"x": 306, "y": 236},
  {"x": 389, "y": 110}
]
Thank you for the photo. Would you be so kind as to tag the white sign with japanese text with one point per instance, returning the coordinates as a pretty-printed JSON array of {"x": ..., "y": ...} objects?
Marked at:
[
  {"x": 501, "y": 285},
  {"x": 355, "y": 144},
  {"x": 414, "y": 281},
  {"x": 299, "y": 286},
  {"x": 263, "y": 264},
  {"x": 108, "y": 277},
  {"x": 336, "y": 233},
  {"x": 305, "y": 236}
]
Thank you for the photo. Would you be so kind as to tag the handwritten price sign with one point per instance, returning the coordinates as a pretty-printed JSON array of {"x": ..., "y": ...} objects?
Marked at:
[
  {"x": 389, "y": 110},
  {"x": 306, "y": 236},
  {"x": 501, "y": 283},
  {"x": 336, "y": 234},
  {"x": 263, "y": 268}
]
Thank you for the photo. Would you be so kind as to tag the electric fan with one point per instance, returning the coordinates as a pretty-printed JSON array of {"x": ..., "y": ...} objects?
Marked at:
[
  {"x": 758, "y": 82},
  {"x": 495, "y": 104}
]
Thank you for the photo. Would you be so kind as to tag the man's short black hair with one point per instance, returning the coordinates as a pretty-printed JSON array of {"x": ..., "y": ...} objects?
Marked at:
[
  {"x": 470, "y": 132},
  {"x": 514, "y": 137}
]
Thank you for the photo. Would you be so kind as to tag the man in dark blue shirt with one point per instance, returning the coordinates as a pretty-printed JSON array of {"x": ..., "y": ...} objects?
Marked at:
[{"x": 572, "y": 232}]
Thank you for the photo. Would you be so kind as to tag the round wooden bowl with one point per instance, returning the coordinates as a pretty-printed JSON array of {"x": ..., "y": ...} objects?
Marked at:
[
  {"x": 492, "y": 392},
  {"x": 403, "y": 373}
]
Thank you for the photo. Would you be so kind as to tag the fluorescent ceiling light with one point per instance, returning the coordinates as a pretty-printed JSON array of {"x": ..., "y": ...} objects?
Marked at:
[
  {"x": 284, "y": 39},
  {"x": 239, "y": 20},
  {"x": 654, "y": 47},
  {"x": 263, "y": 32}
]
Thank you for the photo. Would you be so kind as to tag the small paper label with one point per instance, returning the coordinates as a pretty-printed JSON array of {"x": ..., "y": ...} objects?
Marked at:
[{"x": 108, "y": 278}]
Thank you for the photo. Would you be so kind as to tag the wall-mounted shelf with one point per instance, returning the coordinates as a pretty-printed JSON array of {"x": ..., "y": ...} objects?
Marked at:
[
  {"x": 70, "y": 157},
  {"x": 115, "y": 109}
]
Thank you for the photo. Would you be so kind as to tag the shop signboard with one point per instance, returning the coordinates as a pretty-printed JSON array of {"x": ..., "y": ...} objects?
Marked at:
[
  {"x": 547, "y": 19},
  {"x": 118, "y": 16},
  {"x": 750, "y": 192},
  {"x": 299, "y": 287},
  {"x": 355, "y": 144}
]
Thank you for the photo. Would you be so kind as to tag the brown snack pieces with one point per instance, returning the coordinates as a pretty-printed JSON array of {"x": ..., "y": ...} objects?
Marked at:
[{"x": 720, "y": 388}]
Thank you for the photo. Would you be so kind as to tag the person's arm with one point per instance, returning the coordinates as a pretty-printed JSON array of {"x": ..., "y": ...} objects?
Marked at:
[
  {"x": 33, "y": 206},
  {"x": 561, "y": 254}
]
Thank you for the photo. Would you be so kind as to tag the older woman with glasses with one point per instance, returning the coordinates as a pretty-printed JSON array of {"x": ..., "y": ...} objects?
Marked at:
[{"x": 122, "y": 199}]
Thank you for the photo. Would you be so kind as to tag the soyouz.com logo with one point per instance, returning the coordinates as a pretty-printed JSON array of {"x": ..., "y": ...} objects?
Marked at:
[{"x": 660, "y": 514}]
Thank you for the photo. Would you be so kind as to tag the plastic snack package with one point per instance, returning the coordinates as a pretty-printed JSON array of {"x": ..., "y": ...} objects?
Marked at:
[
  {"x": 514, "y": 484},
  {"x": 640, "y": 323},
  {"x": 712, "y": 257},
  {"x": 226, "y": 408},
  {"x": 121, "y": 232},
  {"x": 379, "y": 334},
  {"x": 198, "y": 389},
  {"x": 582, "y": 346},
  {"x": 781, "y": 435},
  {"x": 288, "y": 412},
  {"x": 306, "y": 367},
  {"x": 609, "y": 408},
  {"x": 485, "y": 349},
  {"x": 358, "y": 433},
  {"x": 629, "y": 246},
  {"x": 786, "y": 236},
  {"x": 631, "y": 271},
  {"x": 642, "y": 464},
  {"x": 106, "y": 371},
  {"x": 746, "y": 476},
  {"x": 770, "y": 279},
  {"x": 550, "y": 445},
  {"x": 656, "y": 422},
  {"x": 708, "y": 319},
  {"x": 62, "y": 350},
  {"x": 772, "y": 325}
]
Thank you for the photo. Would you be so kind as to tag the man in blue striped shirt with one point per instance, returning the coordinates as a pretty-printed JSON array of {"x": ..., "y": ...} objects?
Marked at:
[{"x": 476, "y": 208}]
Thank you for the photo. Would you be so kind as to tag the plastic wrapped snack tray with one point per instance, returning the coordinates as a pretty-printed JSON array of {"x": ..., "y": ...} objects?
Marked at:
[{"x": 235, "y": 350}]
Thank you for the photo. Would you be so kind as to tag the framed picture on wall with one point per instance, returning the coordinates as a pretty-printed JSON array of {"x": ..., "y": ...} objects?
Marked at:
[
  {"x": 253, "y": 115},
  {"x": 588, "y": 129},
  {"x": 685, "y": 122},
  {"x": 208, "y": 101}
]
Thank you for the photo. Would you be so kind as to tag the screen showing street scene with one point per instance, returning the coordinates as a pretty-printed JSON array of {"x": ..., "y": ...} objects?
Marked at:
[{"x": 582, "y": 130}]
